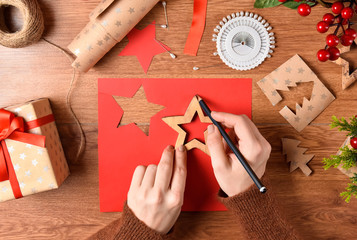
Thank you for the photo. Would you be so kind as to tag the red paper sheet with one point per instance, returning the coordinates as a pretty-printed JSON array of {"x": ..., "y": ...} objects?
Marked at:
[{"x": 122, "y": 149}]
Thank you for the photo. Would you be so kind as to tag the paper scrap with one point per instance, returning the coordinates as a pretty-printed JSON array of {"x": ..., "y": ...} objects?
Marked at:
[
  {"x": 143, "y": 44},
  {"x": 288, "y": 75},
  {"x": 347, "y": 77}
]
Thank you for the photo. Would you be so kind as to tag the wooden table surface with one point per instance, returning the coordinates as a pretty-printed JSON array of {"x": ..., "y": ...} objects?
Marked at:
[{"x": 312, "y": 204}]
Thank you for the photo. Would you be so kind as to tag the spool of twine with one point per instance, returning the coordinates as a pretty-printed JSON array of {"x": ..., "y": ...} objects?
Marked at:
[{"x": 33, "y": 25}]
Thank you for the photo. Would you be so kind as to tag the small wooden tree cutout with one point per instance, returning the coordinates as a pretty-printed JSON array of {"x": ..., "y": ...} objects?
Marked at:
[
  {"x": 175, "y": 122},
  {"x": 295, "y": 155},
  {"x": 347, "y": 77}
]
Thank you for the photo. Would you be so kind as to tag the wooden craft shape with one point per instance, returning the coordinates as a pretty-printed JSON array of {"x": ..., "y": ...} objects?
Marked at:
[
  {"x": 295, "y": 155},
  {"x": 288, "y": 75},
  {"x": 347, "y": 77},
  {"x": 134, "y": 107},
  {"x": 175, "y": 122},
  {"x": 351, "y": 171}
]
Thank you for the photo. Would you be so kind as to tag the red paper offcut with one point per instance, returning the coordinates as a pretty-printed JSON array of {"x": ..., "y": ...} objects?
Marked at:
[
  {"x": 122, "y": 149},
  {"x": 143, "y": 45}
]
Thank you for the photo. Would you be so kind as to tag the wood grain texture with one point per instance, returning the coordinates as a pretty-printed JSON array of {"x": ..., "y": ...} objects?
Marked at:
[
  {"x": 133, "y": 108},
  {"x": 311, "y": 203}
]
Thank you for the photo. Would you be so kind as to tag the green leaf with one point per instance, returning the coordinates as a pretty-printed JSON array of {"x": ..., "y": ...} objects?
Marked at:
[
  {"x": 266, "y": 3},
  {"x": 295, "y": 5}
]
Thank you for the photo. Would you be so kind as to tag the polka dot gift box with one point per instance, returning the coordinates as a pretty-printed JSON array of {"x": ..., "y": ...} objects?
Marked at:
[{"x": 31, "y": 154}]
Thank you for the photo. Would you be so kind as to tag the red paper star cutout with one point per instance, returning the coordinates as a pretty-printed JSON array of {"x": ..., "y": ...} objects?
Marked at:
[{"x": 143, "y": 45}]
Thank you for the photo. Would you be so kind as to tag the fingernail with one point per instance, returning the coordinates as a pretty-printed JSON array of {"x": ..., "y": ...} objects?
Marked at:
[
  {"x": 182, "y": 148},
  {"x": 169, "y": 147},
  {"x": 210, "y": 129}
]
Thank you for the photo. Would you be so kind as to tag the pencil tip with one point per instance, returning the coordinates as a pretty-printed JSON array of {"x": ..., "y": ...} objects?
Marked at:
[{"x": 198, "y": 98}]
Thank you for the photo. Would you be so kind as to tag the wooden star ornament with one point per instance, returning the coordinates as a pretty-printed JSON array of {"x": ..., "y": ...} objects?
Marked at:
[
  {"x": 347, "y": 77},
  {"x": 175, "y": 122},
  {"x": 134, "y": 107}
]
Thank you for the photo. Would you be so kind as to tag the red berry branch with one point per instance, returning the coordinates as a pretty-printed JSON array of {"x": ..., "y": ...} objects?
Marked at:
[
  {"x": 344, "y": 11},
  {"x": 341, "y": 19}
]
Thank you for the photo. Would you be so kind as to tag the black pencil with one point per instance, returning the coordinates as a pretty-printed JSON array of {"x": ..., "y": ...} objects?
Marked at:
[{"x": 233, "y": 147}]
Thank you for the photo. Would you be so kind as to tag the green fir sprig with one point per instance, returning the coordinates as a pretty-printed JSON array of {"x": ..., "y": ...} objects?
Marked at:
[
  {"x": 343, "y": 125},
  {"x": 289, "y": 3},
  {"x": 351, "y": 189},
  {"x": 347, "y": 156}
]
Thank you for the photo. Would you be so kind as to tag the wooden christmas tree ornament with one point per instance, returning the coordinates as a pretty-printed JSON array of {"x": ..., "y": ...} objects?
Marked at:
[
  {"x": 175, "y": 122},
  {"x": 295, "y": 155}
]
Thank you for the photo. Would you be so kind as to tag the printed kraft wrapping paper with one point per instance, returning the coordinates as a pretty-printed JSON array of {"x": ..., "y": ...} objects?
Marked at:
[{"x": 37, "y": 169}]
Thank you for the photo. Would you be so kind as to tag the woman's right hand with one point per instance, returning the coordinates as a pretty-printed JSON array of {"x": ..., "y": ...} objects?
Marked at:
[{"x": 229, "y": 172}]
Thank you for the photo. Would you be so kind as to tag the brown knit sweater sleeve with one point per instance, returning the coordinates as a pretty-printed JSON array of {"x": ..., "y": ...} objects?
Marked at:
[
  {"x": 259, "y": 214},
  {"x": 128, "y": 227}
]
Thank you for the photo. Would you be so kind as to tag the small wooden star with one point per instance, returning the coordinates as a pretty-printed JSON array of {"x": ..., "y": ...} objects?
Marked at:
[{"x": 175, "y": 122}]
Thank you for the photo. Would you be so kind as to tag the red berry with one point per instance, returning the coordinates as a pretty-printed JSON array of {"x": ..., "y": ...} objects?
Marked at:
[
  {"x": 346, "y": 40},
  {"x": 332, "y": 40},
  {"x": 329, "y": 18},
  {"x": 323, "y": 55},
  {"x": 297, "y": 0},
  {"x": 351, "y": 32},
  {"x": 322, "y": 27},
  {"x": 282, "y": 0},
  {"x": 304, "y": 9},
  {"x": 334, "y": 53},
  {"x": 337, "y": 7},
  {"x": 353, "y": 142},
  {"x": 347, "y": 13}
]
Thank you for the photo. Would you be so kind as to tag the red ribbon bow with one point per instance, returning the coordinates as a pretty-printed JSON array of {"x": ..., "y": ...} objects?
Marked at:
[{"x": 12, "y": 127}]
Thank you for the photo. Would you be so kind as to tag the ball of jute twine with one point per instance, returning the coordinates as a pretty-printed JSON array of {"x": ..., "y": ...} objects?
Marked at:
[{"x": 33, "y": 26}]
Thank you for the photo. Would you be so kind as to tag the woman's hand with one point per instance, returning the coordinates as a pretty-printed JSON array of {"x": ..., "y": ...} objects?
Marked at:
[
  {"x": 230, "y": 174},
  {"x": 156, "y": 192}
]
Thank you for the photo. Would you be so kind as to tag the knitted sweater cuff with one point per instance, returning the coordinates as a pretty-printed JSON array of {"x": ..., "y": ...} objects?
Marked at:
[
  {"x": 258, "y": 213},
  {"x": 134, "y": 229}
]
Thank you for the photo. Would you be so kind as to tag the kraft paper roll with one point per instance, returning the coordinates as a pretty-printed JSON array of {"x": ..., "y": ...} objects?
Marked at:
[{"x": 109, "y": 23}]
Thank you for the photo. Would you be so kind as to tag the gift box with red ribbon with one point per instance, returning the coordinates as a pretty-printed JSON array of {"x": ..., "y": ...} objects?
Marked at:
[{"x": 31, "y": 155}]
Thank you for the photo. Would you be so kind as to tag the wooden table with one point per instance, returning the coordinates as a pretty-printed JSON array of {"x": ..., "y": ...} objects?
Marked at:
[{"x": 312, "y": 204}]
